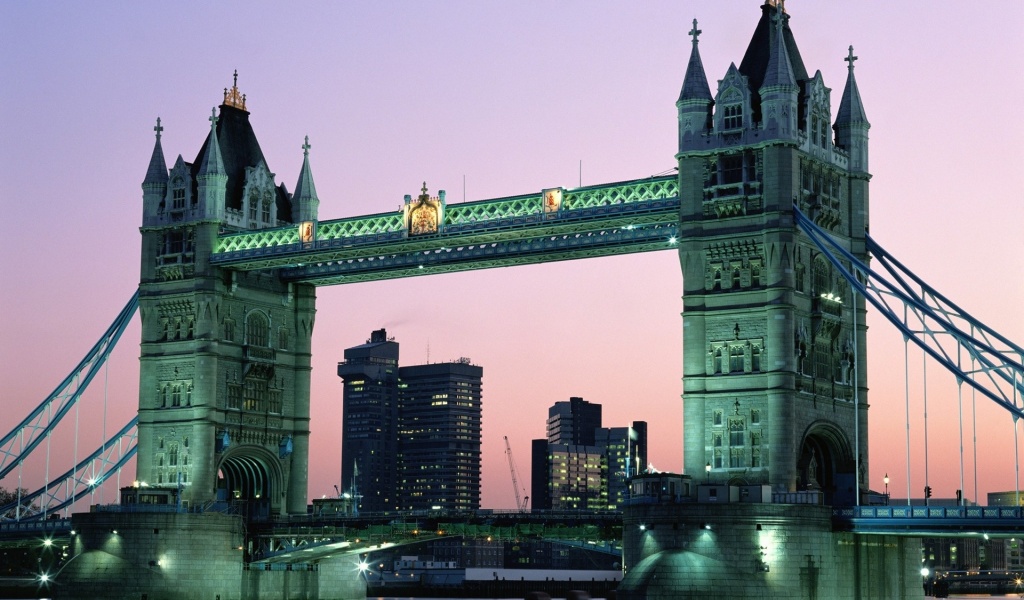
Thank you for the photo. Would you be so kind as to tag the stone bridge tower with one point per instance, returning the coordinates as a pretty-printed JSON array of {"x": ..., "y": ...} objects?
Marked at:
[
  {"x": 774, "y": 384},
  {"x": 225, "y": 358}
]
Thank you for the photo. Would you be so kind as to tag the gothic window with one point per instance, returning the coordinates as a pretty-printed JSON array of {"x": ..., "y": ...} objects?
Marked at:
[
  {"x": 755, "y": 457},
  {"x": 716, "y": 418},
  {"x": 257, "y": 330},
  {"x": 282, "y": 339},
  {"x": 716, "y": 440},
  {"x": 736, "y": 279},
  {"x": 755, "y": 417},
  {"x": 172, "y": 454},
  {"x": 737, "y": 431},
  {"x": 718, "y": 280},
  {"x": 176, "y": 395},
  {"x": 189, "y": 328},
  {"x": 255, "y": 395},
  {"x": 174, "y": 242},
  {"x": 732, "y": 168},
  {"x": 718, "y": 360},
  {"x": 820, "y": 276},
  {"x": 736, "y": 359},
  {"x": 718, "y": 459},
  {"x": 823, "y": 360},
  {"x": 234, "y": 396},
  {"x": 229, "y": 330},
  {"x": 254, "y": 201},
  {"x": 178, "y": 198},
  {"x": 163, "y": 402},
  {"x": 266, "y": 212},
  {"x": 160, "y": 477},
  {"x": 733, "y": 111},
  {"x": 736, "y": 459},
  {"x": 755, "y": 359},
  {"x": 188, "y": 401},
  {"x": 755, "y": 439},
  {"x": 755, "y": 275}
]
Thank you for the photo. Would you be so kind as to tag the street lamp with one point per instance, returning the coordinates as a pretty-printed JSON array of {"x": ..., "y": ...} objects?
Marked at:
[
  {"x": 707, "y": 472},
  {"x": 886, "y": 480}
]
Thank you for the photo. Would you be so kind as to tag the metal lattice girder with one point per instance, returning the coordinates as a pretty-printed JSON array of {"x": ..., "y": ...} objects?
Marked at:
[
  {"x": 569, "y": 246},
  {"x": 942, "y": 329},
  {"x": 81, "y": 480},
  {"x": 466, "y": 223},
  {"x": 24, "y": 438}
]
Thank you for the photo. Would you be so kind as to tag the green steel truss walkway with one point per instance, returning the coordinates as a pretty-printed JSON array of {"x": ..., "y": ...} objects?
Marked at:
[{"x": 640, "y": 215}]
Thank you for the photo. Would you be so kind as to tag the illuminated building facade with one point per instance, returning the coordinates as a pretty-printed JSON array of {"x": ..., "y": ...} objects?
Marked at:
[
  {"x": 411, "y": 435},
  {"x": 439, "y": 436},
  {"x": 582, "y": 465},
  {"x": 225, "y": 356}
]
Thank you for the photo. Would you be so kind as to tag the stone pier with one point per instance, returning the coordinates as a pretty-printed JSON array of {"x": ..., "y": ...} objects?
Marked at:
[
  {"x": 673, "y": 551},
  {"x": 186, "y": 556}
]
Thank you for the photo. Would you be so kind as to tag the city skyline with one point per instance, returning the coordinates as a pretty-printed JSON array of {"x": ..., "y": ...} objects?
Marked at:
[{"x": 548, "y": 96}]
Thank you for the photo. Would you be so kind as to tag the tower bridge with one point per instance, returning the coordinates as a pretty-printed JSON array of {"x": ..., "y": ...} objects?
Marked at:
[{"x": 768, "y": 212}]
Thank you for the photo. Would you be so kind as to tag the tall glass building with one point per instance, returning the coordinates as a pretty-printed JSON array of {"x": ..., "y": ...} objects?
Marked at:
[{"x": 411, "y": 435}]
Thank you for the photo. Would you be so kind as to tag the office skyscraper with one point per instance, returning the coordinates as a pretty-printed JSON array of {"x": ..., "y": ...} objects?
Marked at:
[
  {"x": 573, "y": 422},
  {"x": 582, "y": 465},
  {"x": 411, "y": 436},
  {"x": 369, "y": 451},
  {"x": 439, "y": 435}
]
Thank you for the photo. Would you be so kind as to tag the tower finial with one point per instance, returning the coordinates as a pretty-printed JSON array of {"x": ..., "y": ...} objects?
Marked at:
[
  {"x": 158, "y": 129},
  {"x": 306, "y": 147},
  {"x": 424, "y": 190},
  {"x": 850, "y": 58},
  {"x": 233, "y": 97},
  {"x": 213, "y": 118},
  {"x": 695, "y": 32}
]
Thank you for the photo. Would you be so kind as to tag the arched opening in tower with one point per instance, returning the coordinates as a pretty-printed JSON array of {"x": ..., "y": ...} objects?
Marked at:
[
  {"x": 245, "y": 482},
  {"x": 826, "y": 464}
]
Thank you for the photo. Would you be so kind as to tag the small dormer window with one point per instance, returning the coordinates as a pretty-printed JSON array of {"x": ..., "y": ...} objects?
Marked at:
[
  {"x": 178, "y": 198},
  {"x": 266, "y": 209}
]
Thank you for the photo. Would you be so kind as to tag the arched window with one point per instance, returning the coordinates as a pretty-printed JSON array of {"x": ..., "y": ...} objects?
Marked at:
[
  {"x": 257, "y": 330},
  {"x": 820, "y": 277}
]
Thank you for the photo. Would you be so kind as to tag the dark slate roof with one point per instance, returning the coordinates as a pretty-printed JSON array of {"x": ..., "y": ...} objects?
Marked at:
[
  {"x": 304, "y": 188},
  {"x": 157, "y": 171},
  {"x": 851, "y": 109},
  {"x": 695, "y": 82},
  {"x": 239, "y": 149},
  {"x": 755, "y": 60}
]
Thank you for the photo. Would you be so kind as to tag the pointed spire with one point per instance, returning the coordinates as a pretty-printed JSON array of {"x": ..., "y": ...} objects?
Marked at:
[
  {"x": 213, "y": 164},
  {"x": 780, "y": 70},
  {"x": 305, "y": 203},
  {"x": 695, "y": 82},
  {"x": 851, "y": 110},
  {"x": 157, "y": 172}
]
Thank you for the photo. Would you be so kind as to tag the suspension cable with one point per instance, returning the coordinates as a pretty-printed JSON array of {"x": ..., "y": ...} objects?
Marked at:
[
  {"x": 906, "y": 395},
  {"x": 856, "y": 396}
]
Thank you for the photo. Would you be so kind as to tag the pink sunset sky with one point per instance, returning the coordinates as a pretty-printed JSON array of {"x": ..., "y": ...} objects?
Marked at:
[{"x": 510, "y": 98}]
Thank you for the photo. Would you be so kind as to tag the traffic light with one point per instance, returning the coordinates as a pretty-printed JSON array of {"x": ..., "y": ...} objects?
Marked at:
[
  {"x": 959, "y": 497},
  {"x": 927, "y": 491}
]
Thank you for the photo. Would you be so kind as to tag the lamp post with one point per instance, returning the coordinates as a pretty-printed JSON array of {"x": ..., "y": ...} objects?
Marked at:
[
  {"x": 707, "y": 472},
  {"x": 886, "y": 480}
]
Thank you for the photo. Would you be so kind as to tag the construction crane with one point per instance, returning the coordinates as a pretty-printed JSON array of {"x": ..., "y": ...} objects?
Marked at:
[{"x": 520, "y": 504}]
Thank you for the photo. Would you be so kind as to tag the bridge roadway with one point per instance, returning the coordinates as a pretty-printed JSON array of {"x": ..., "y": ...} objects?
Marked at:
[
  {"x": 304, "y": 539},
  {"x": 300, "y": 539},
  {"x": 639, "y": 215}
]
